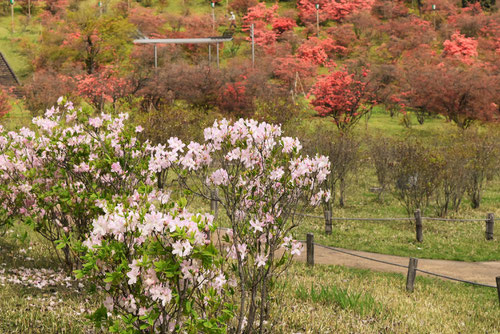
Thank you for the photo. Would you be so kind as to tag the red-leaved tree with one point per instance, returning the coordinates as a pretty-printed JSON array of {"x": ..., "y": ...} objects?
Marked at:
[
  {"x": 103, "y": 86},
  {"x": 316, "y": 50},
  {"x": 461, "y": 48},
  {"x": 282, "y": 24},
  {"x": 5, "y": 106},
  {"x": 460, "y": 94},
  {"x": 329, "y": 9},
  {"x": 261, "y": 16},
  {"x": 343, "y": 96},
  {"x": 291, "y": 69}
]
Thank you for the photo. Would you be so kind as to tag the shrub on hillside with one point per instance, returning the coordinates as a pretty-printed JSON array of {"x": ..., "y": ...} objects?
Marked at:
[
  {"x": 481, "y": 165},
  {"x": 342, "y": 96},
  {"x": 345, "y": 150},
  {"x": 5, "y": 106},
  {"x": 198, "y": 86},
  {"x": 44, "y": 88}
]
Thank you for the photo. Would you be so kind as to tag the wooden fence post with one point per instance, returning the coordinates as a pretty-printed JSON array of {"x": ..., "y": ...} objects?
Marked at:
[
  {"x": 418, "y": 225},
  {"x": 490, "y": 222},
  {"x": 310, "y": 249},
  {"x": 328, "y": 222},
  {"x": 214, "y": 206},
  {"x": 498, "y": 289},
  {"x": 412, "y": 273},
  {"x": 214, "y": 203}
]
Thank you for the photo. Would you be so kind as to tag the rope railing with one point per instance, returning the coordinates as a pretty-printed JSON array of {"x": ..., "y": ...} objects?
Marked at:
[
  {"x": 455, "y": 279},
  {"x": 393, "y": 218},
  {"x": 418, "y": 219},
  {"x": 310, "y": 261},
  {"x": 361, "y": 256},
  {"x": 453, "y": 219}
]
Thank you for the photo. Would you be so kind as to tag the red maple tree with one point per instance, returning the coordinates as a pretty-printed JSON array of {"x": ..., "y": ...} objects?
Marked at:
[
  {"x": 342, "y": 96},
  {"x": 105, "y": 85},
  {"x": 316, "y": 51},
  {"x": 282, "y": 24},
  {"x": 330, "y": 10},
  {"x": 461, "y": 48},
  {"x": 5, "y": 106}
]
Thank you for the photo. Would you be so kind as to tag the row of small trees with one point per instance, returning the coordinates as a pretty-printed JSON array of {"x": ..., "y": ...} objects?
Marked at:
[
  {"x": 437, "y": 173},
  {"x": 87, "y": 184}
]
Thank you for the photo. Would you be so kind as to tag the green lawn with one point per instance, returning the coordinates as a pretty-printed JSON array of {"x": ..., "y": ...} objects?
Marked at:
[
  {"x": 11, "y": 45},
  {"x": 436, "y": 306}
]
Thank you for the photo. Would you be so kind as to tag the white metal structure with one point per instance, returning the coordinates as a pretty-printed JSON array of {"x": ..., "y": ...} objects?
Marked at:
[{"x": 206, "y": 40}]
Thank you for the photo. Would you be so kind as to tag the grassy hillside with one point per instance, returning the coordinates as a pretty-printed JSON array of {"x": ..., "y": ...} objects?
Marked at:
[{"x": 304, "y": 301}]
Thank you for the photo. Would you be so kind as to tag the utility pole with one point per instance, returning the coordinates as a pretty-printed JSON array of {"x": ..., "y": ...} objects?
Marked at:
[
  {"x": 156, "y": 57},
  {"x": 12, "y": 13},
  {"x": 218, "y": 55},
  {"x": 29, "y": 9},
  {"x": 317, "y": 19},
  {"x": 213, "y": 15},
  {"x": 434, "y": 15},
  {"x": 253, "y": 44}
]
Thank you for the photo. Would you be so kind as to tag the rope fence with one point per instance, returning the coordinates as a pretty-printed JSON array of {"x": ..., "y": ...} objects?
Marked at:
[
  {"x": 412, "y": 266},
  {"x": 418, "y": 219}
]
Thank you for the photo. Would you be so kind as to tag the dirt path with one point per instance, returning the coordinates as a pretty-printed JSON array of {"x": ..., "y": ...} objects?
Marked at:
[{"x": 480, "y": 272}]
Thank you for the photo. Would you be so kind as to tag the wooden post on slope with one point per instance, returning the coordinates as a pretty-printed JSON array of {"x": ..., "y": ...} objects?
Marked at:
[
  {"x": 412, "y": 273},
  {"x": 310, "y": 249},
  {"x": 490, "y": 222},
  {"x": 328, "y": 222},
  {"x": 498, "y": 289},
  {"x": 418, "y": 225}
]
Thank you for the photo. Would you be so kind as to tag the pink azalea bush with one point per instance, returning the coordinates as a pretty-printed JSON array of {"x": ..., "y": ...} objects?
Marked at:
[
  {"x": 54, "y": 176},
  {"x": 157, "y": 268},
  {"x": 84, "y": 182},
  {"x": 262, "y": 181}
]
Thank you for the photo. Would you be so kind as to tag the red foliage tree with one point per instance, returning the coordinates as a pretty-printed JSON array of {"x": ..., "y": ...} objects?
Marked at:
[
  {"x": 290, "y": 68},
  {"x": 316, "y": 50},
  {"x": 282, "y": 24},
  {"x": 234, "y": 99},
  {"x": 407, "y": 33},
  {"x": 103, "y": 86},
  {"x": 148, "y": 23},
  {"x": 330, "y": 10},
  {"x": 260, "y": 16},
  {"x": 342, "y": 96},
  {"x": 44, "y": 88},
  {"x": 261, "y": 13},
  {"x": 5, "y": 106},
  {"x": 461, "y": 48},
  {"x": 461, "y": 94}
]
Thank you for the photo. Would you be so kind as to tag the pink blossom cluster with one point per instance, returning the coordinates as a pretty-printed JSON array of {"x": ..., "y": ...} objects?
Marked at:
[
  {"x": 147, "y": 288},
  {"x": 55, "y": 174}
]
